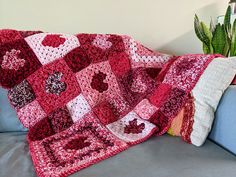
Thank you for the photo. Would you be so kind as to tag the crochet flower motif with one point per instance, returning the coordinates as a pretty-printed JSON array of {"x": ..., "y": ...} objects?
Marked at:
[
  {"x": 77, "y": 144},
  {"x": 12, "y": 61},
  {"x": 54, "y": 84},
  {"x": 133, "y": 127},
  {"x": 97, "y": 82},
  {"x": 53, "y": 40},
  {"x": 138, "y": 86}
]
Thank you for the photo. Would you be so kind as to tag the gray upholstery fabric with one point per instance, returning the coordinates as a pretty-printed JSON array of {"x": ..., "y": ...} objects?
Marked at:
[
  {"x": 158, "y": 157},
  {"x": 8, "y": 118}
]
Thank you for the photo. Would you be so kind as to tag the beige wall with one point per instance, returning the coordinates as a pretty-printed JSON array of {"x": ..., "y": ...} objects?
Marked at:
[{"x": 165, "y": 25}]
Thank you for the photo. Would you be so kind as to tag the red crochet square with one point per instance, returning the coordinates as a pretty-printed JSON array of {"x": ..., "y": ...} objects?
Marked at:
[
  {"x": 105, "y": 113},
  {"x": 54, "y": 85},
  {"x": 17, "y": 61},
  {"x": 83, "y": 144},
  {"x": 77, "y": 59},
  {"x": 160, "y": 94},
  {"x": 120, "y": 63}
]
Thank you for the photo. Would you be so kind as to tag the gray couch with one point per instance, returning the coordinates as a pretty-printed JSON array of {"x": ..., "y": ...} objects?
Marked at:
[{"x": 163, "y": 156}]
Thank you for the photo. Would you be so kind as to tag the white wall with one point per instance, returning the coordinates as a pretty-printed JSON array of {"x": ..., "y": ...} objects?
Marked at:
[{"x": 165, "y": 25}]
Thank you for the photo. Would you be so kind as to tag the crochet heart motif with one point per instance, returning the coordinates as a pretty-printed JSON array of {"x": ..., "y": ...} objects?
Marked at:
[
  {"x": 12, "y": 61},
  {"x": 53, "y": 40},
  {"x": 54, "y": 84},
  {"x": 98, "y": 82},
  {"x": 138, "y": 86},
  {"x": 133, "y": 127}
]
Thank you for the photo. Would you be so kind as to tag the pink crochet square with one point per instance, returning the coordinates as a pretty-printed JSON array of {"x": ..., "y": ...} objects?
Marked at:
[
  {"x": 99, "y": 84},
  {"x": 54, "y": 85},
  {"x": 131, "y": 128},
  {"x": 145, "y": 109},
  {"x": 30, "y": 114},
  {"x": 142, "y": 56}
]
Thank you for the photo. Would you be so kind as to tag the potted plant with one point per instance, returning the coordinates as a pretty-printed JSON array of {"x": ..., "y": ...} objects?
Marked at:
[{"x": 219, "y": 38}]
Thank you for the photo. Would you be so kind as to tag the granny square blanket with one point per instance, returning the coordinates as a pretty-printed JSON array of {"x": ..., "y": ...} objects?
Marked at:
[{"x": 87, "y": 97}]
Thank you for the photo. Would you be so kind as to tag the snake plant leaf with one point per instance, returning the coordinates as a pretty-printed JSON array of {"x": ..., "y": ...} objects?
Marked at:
[
  {"x": 203, "y": 33},
  {"x": 227, "y": 22},
  {"x": 206, "y": 31},
  {"x": 233, "y": 40},
  {"x": 205, "y": 49},
  {"x": 199, "y": 31},
  {"x": 220, "y": 41}
]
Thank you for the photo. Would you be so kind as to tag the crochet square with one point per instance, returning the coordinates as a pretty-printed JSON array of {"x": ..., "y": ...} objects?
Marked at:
[
  {"x": 78, "y": 147},
  {"x": 31, "y": 113},
  {"x": 17, "y": 61},
  {"x": 142, "y": 56},
  {"x": 54, "y": 85},
  {"x": 160, "y": 94},
  {"x": 99, "y": 84},
  {"x": 105, "y": 113},
  {"x": 60, "y": 119},
  {"x": 135, "y": 85},
  {"x": 21, "y": 94},
  {"x": 120, "y": 63},
  {"x": 49, "y": 47},
  {"x": 132, "y": 129},
  {"x": 78, "y": 107},
  {"x": 145, "y": 109},
  {"x": 77, "y": 59}
]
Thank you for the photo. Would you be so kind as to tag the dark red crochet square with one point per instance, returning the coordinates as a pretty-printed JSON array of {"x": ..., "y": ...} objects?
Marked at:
[
  {"x": 105, "y": 113},
  {"x": 21, "y": 94},
  {"x": 120, "y": 63},
  {"x": 159, "y": 95},
  {"x": 17, "y": 61},
  {"x": 40, "y": 130},
  {"x": 54, "y": 85},
  {"x": 77, "y": 59},
  {"x": 60, "y": 119}
]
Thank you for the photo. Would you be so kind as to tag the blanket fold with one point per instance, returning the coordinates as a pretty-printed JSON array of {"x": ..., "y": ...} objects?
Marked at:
[{"x": 87, "y": 97}]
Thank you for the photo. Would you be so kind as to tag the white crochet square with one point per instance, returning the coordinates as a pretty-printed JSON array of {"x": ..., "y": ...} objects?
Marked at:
[
  {"x": 119, "y": 127},
  {"x": 78, "y": 107}
]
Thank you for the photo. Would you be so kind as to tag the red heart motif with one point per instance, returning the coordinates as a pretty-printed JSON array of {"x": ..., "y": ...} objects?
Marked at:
[
  {"x": 98, "y": 82},
  {"x": 53, "y": 40}
]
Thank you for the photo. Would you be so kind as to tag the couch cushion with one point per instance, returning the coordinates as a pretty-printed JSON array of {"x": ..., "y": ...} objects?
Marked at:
[
  {"x": 159, "y": 156},
  {"x": 223, "y": 131},
  {"x": 8, "y": 118}
]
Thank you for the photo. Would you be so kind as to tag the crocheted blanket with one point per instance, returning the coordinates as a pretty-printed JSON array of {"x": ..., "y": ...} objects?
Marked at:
[{"x": 87, "y": 97}]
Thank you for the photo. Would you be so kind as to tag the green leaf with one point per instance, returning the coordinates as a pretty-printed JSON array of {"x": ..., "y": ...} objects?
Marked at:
[
  {"x": 227, "y": 17},
  {"x": 227, "y": 21},
  {"x": 233, "y": 40},
  {"x": 199, "y": 31},
  {"x": 206, "y": 31},
  {"x": 220, "y": 41},
  {"x": 205, "y": 49}
]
